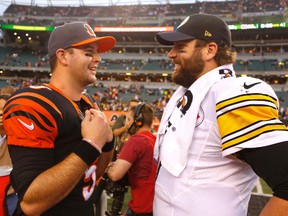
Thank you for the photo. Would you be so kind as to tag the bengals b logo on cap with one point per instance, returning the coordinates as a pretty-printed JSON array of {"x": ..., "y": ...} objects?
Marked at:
[{"x": 89, "y": 30}]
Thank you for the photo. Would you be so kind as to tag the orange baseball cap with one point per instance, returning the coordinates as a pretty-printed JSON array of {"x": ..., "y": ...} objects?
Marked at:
[{"x": 76, "y": 34}]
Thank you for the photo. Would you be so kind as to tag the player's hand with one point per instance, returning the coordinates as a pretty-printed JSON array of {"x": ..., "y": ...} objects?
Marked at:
[
  {"x": 110, "y": 135},
  {"x": 95, "y": 127},
  {"x": 128, "y": 122}
]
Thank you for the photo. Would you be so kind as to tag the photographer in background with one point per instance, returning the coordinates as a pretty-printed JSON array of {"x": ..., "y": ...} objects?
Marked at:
[
  {"x": 116, "y": 190},
  {"x": 136, "y": 158},
  {"x": 120, "y": 129}
]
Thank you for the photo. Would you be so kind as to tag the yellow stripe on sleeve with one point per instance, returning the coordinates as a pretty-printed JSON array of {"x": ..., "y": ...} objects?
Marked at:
[
  {"x": 246, "y": 97},
  {"x": 253, "y": 134}
]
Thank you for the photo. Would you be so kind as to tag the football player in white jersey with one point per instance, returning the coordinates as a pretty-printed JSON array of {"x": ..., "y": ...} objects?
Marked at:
[{"x": 218, "y": 133}]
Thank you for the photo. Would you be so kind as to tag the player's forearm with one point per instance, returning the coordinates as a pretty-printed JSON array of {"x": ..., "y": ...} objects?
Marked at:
[
  {"x": 118, "y": 169},
  {"x": 103, "y": 161},
  {"x": 53, "y": 185},
  {"x": 275, "y": 207},
  {"x": 119, "y": 131}
]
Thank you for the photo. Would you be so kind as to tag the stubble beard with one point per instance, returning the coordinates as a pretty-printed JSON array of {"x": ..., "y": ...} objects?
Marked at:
[{"x": 189, "y": 71}]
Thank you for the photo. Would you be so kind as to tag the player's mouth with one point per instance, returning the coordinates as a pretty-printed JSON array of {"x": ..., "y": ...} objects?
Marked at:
[{"x": 93, "y": 69}]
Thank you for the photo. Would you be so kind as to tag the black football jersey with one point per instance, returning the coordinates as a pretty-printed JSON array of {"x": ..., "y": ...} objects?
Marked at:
[{"x": 43, "y": 127}]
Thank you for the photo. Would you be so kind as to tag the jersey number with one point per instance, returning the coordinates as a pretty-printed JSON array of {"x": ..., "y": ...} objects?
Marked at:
[{"x": 88, "y": 190}]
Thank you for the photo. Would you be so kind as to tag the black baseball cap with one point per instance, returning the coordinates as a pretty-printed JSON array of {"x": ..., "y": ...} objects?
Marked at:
[
  {"x": 76, "y": 34},
  {"x": 198, "y": 26}
]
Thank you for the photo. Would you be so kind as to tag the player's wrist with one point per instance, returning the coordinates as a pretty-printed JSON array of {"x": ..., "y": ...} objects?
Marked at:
[
  {"x": 93, "y": 144},
  {"x": 87, "y": 152},
  {"x": 109, "y": 146}
]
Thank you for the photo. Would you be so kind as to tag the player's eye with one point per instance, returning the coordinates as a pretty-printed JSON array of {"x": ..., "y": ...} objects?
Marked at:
[{"x": 88, "y": 54}]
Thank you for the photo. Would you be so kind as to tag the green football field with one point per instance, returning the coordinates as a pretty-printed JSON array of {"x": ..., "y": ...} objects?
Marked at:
[{"x": 266, "y": 190}]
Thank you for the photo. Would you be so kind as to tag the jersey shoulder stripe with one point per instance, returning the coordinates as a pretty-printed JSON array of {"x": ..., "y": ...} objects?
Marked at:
[
  {"x": 247, "y": 99},
  {"x": 30, "y": 118},
  {"x": 246, "y": 113}
]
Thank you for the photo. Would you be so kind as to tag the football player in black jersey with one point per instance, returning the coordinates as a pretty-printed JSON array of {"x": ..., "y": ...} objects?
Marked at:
[{"x": 55, "y": 133}]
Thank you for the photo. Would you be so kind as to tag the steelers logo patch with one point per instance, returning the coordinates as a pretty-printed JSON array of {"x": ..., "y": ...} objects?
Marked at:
[{"x": 200, "y": 117}]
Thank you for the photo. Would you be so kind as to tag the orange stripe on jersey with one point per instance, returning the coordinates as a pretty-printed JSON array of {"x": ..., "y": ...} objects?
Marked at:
[
  {"x": 87, "y": 100},
  {"x": 42, "y": 115},
  {"x": 29, "y": 124},
  {"x": 39, "y": 97},
  {"x": 50, "y": 85}
]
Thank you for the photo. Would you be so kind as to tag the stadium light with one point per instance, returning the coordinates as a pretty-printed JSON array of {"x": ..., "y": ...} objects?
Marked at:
[
  {"x": 146, "y": 28},
  {"x": 135, "y": 29}
]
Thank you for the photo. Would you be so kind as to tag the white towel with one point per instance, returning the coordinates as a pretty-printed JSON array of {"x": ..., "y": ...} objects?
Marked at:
[{"x": 179, "y": 118}]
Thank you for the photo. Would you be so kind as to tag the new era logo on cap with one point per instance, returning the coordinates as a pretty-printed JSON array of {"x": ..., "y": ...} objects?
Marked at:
[{"x": 207, "y": 34}]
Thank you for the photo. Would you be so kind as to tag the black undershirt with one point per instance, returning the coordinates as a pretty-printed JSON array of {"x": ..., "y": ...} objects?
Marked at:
[{"x": 271, "y": 164}]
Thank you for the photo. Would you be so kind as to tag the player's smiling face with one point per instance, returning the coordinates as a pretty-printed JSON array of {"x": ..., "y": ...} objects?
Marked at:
[
  {"x": 84, "y": 62},
  {"x": 188, "y": 62}
]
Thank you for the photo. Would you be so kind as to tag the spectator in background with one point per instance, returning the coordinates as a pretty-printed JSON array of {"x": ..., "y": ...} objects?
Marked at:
[
  {"x": 136, "y": 159},
  {"x": 8, "y": 90},
  {"x": 55, "y": 134},
  {"x": 281, "y": 113},
  {"x": 120, "y": 132},
  {"x": 8, "y": 197},
  {"x": 120, "y": 129},
  {"x": 96, "y": 98},
  {"x": 218, "y": 131}
]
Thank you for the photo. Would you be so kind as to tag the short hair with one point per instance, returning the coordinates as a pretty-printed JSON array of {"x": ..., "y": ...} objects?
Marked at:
[
  {"x": 134, "y": 100},
  {"x": 8, "y": 90},
  {"x": 147, "y": 114},
  {"x": 53, "y": 60}
]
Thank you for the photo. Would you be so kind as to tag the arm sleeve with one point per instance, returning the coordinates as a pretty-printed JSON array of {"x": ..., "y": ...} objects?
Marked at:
[
  {"x": 271, "y": 164},
  {"x": 28, "y": 163}
]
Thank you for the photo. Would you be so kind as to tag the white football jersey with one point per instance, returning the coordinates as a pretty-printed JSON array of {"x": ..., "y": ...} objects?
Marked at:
[{"x": 236, "y": 113}]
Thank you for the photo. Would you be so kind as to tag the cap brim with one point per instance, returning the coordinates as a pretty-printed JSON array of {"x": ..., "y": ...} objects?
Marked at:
[
  {"x": 168, "y": 38},
  {"x": 104, "y": 43}
]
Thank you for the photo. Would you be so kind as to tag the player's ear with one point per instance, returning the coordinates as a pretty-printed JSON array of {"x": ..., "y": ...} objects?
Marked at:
[
  {"x": 210, "y": 51},
  {"x": 61, "y": 56}
]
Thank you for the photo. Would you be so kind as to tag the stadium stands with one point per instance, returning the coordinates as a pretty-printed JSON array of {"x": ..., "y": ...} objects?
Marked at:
[
  {"x": 137, "y": 58},
  {"x": 259, "y": 50}
]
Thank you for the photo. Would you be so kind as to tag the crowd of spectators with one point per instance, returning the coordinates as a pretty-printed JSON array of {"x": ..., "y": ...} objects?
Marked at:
[
  {"x": 114, "y": 98},
  {"x": 162, "y": 14},
  {"x": 165, "y": 14},
  {"x": 24, "y": 57},
  {"x": 31, "y": 58}
]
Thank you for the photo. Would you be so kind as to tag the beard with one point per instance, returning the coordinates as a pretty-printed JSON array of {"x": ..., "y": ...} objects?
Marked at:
[{"x": 188, "y": 70}]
